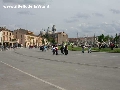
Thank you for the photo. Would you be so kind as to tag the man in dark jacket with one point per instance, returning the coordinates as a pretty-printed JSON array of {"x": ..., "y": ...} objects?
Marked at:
[
  {"x": 66, "y": 49},
  {"x": 62, "y": 49}
]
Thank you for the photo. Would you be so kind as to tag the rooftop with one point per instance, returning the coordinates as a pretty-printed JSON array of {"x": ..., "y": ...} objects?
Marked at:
[{"x": 5, "y": 29}]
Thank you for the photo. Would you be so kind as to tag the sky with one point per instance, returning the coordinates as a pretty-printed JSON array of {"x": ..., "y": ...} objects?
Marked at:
[{"x": 85, "y": 17}]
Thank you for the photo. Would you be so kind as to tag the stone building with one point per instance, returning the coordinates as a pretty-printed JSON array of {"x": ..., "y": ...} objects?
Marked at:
[
  {"x": 27, "y": 38},
  {"x": 7, "y": 37},
  {"x": 0, "y": 37},
  {"x": 61, "y": 37}
]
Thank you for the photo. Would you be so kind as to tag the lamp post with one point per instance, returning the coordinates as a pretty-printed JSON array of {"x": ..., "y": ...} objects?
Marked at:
[
  {"x": 119, "y": 41},
  {"x": 94, "y": 40},
  {"x": 85, "y": 41},
  {"x": 54, "y": 29}
]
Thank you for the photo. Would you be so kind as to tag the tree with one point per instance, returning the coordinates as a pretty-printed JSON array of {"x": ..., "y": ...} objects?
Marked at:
[
  {"x": 111, "y": 38},
  {"x": 116, "y": 38},
  {"x": 53, "y": 41},
  {"x": 100, "y": 38},
  {"x": 107, "y": 38},
  {"x": 43, "y": 42},
  {"x": 49, "y": 38}
]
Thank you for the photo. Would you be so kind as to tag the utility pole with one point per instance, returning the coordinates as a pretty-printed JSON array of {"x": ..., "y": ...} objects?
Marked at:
[
  {"x": 119, "y": 40},
  {"x": 94, "y": 40},
  {"x": 77, "y": 39},
  {"x": 54, "y": 29},
  {"x": 77, "y": 35}
]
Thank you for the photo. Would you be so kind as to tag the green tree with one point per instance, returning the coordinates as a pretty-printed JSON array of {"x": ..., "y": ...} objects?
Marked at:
[
  {"x": 49, "y": 38},
  {"x": 111, "y": 38},
  {"x": 43, "y": 42},
  {"x": 116, "y": 38},
  {"x": 101, "y": 37},
  {"x": 53, "y": 41},
  {"x": 107, "y": 38}
]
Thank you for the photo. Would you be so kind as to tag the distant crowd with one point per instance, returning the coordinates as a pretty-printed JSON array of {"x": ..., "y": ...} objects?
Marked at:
[
  {"x": 4, "y": 47},
  {"x": 54, "y": 48},
  {"x": 63, "y": 48}
]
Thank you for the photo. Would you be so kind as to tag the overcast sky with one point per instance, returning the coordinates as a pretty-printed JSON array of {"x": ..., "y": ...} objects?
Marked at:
[{"x": 83, "y": 16}]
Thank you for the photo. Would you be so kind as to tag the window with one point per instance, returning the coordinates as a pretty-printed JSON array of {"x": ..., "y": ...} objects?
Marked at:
[
  {"x": 16, "y": 32},
  {"x": 7, "y": 33},
  {"x": 21, "y": 36},
  {"x": 4, "y": 33},
  {"x": 10, "y": 34}
]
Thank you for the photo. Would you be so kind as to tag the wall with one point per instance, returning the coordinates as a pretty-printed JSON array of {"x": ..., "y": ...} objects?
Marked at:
[{"x": 61, "y": 37}]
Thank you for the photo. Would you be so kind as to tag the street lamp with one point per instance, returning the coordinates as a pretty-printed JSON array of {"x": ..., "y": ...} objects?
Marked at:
[
  {"x": 54, "y": 29},
  {"x": 119, "y": 40},
  {"x": 85, "y": 41}
]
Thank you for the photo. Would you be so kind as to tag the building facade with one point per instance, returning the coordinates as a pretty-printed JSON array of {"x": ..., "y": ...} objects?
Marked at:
[
  {"x": 0, "y": 37},
  {"x": 6, "y": 37},
  {"x": 27, "y": 38},
  {"x": 61, "y": 37}
]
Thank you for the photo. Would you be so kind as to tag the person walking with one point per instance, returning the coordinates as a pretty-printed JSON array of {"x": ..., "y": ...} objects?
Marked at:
[
  {"x": 62, "y": 49},
  {"x": 83, "y": 47},
  {"x": 112, "y": 45},
  {"x": 45, "y": 47},
  {"x": 56, "y": 49},
  {"x": 66, "y": 49},
  {"x": 53, "y": 49},
  {"x": 89, "y": 48},
  {"x": 42, "y": 48}
]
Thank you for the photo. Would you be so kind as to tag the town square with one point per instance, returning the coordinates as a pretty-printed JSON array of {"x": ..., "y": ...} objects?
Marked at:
[
  {"x": 59, "y": 45},
  {"x": 29, "y": 69}
]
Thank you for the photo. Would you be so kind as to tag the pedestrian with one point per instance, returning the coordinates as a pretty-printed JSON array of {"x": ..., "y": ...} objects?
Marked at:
[
  {"x": 56, "y": 50},
  {"x": 89, "y": 48},
  {"x": 42, "y": 48},
  {"x": 62, "y": 49},
  {"x": 53, "y": 49},
  {"x": 45, "y": 47},
  {"x": 83, "y": 47},
  {"x": 66, "y": 49},
  {"x": 100, "y": 46},
  {"x": 112, "y": 45},
  {"x": 48, "y": 47}
]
